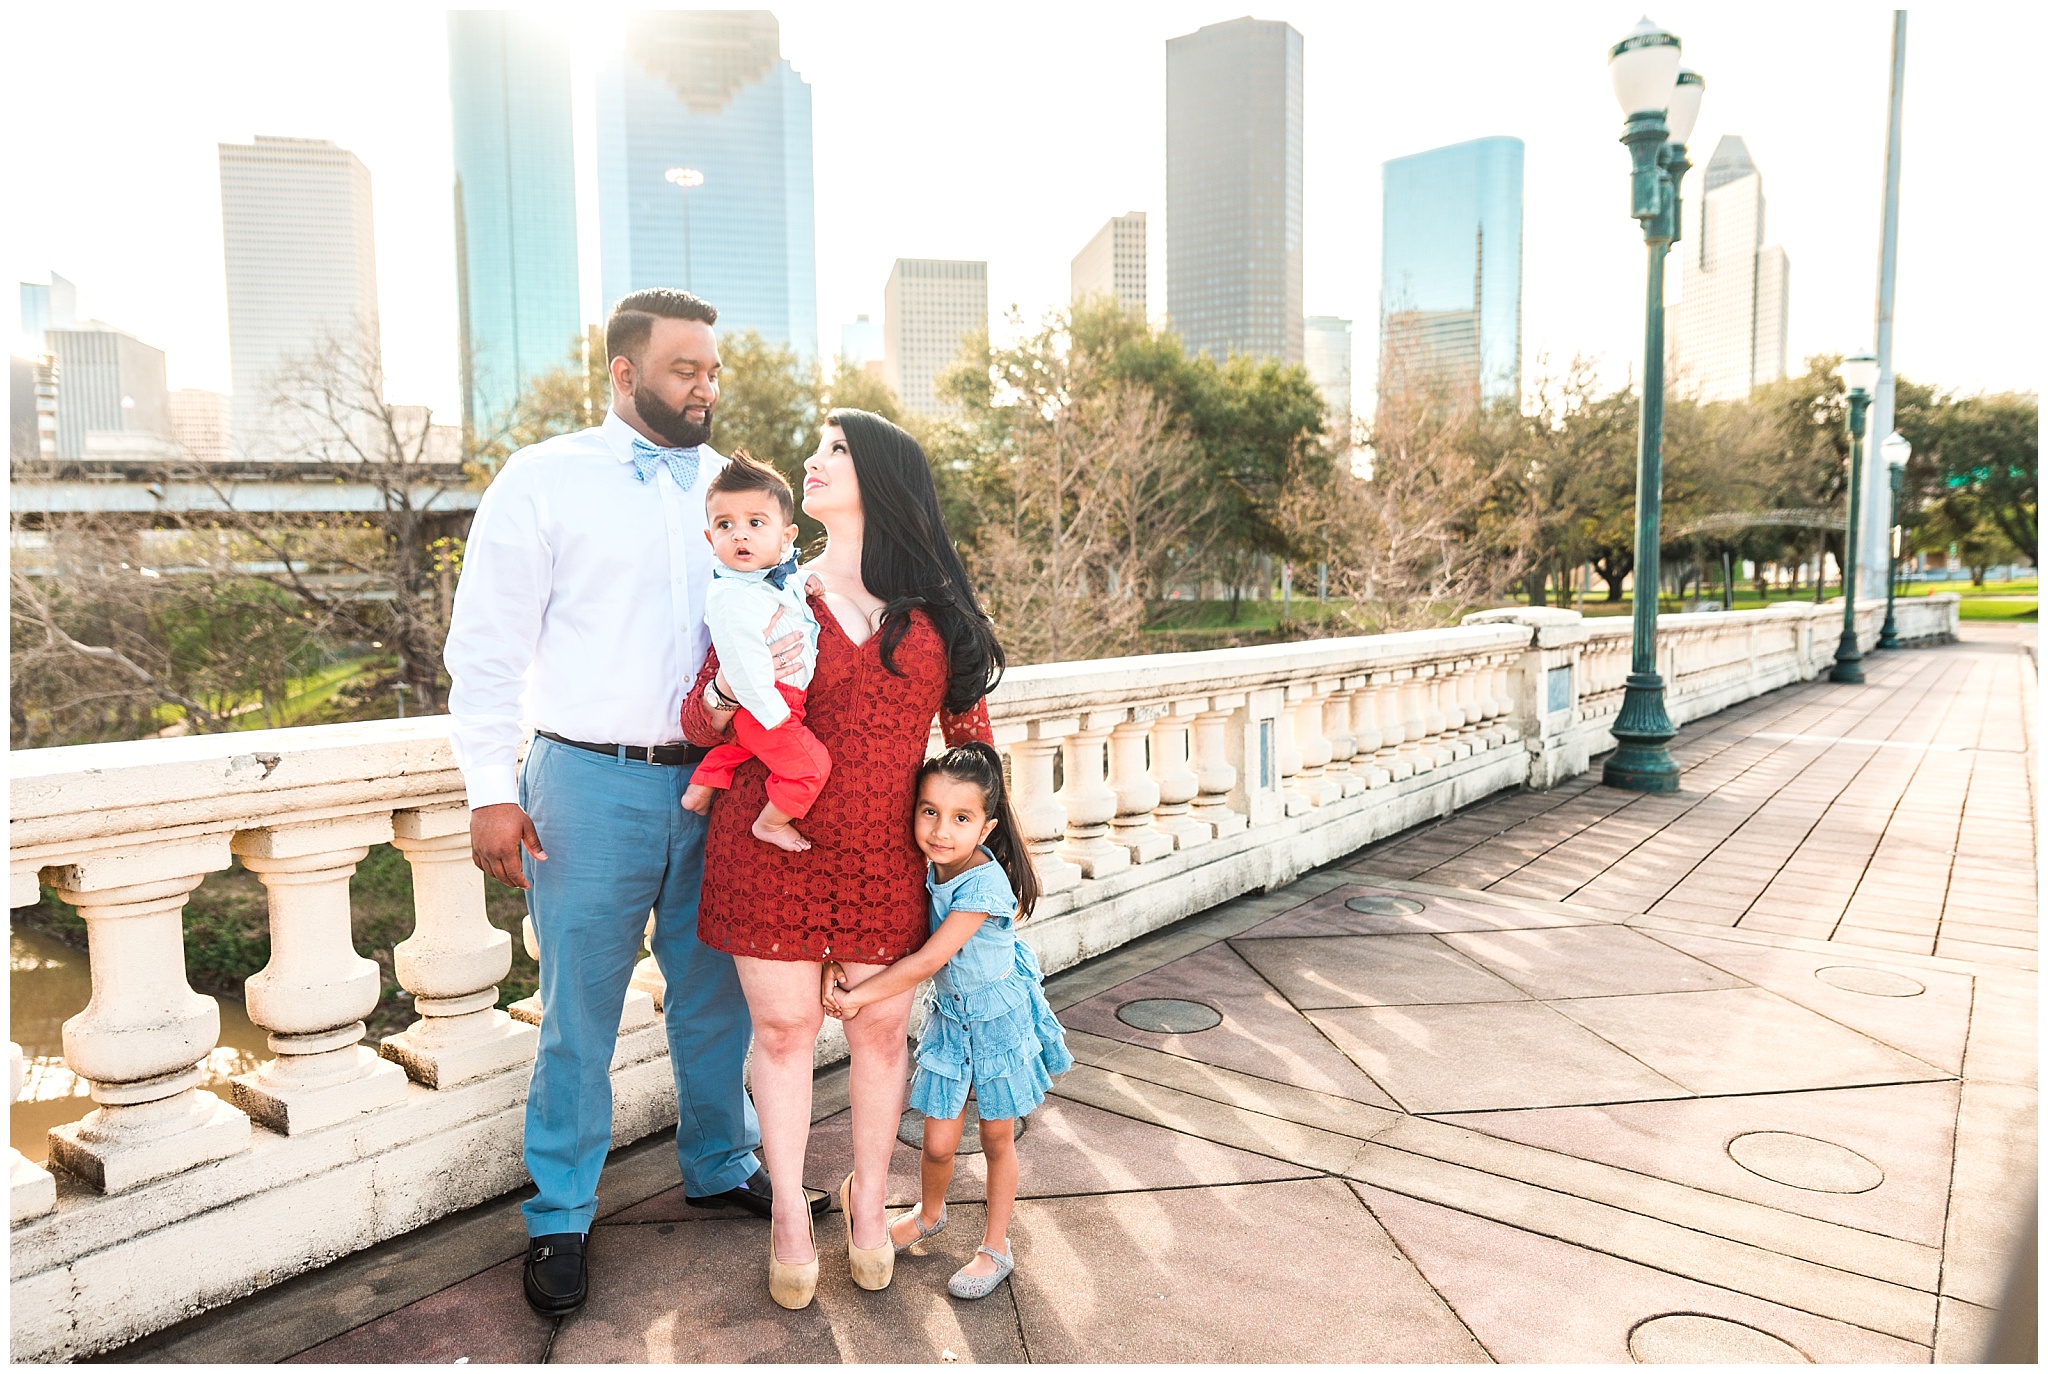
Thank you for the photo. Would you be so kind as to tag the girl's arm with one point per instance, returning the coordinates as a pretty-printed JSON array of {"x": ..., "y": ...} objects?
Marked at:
[{"x": 906, "y": 973}]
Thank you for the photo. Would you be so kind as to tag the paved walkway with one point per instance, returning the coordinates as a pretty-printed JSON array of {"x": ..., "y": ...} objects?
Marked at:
[{"x": 1745, "y": 1073}]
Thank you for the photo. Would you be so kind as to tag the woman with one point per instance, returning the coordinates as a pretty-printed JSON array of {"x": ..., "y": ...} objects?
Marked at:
[{"x": 901, "y": 639}]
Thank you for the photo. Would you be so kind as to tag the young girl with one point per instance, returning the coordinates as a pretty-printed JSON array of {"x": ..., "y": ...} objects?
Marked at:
[{"x": 990, "y": 1028}]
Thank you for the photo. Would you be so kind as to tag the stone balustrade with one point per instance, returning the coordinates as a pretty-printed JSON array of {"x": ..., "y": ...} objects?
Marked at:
[{"x": 1147, "y": 789}]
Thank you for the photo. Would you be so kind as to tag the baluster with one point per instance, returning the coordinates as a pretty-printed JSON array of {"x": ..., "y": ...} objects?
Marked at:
[
  {"x": 1415, "y": 727},
  {"x": 1307, "y": 710},
  {"x": 1506, "y": 677},
  {"x": 1136, "y": 793},
  {"x": 31, "y": 1191},
  {"x": 314, "y": 993},
  {"x": 1172, "y": 750},
  {"x": 452, "y": 962},
  {"x": 1040, "y": 814},
  {"x": 1365, "y": 729},
  {"x": 1436, "y": 725},
  {"x": 1287, "y": 749},
  {"x": 639, "y": 1009},
  {"x": 143, "y": 1036},
  {"x": 1397, "y": 762},
  {"x": 1090, "y": 802},
  {"x": 1215, "y": 774},
  {"x": 1337, "y": 712},
  {"x": 1471, "y": 707},
  {"x": 647, "y": 975}
]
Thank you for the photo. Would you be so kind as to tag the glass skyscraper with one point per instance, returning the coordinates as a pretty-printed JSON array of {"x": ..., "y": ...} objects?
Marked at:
[
  {"x": 1451, "y": 270},
  {"x": 1233, "y": 189},
  {"x": 709, "y": 92},
  {"x": 515, "y": 205}
]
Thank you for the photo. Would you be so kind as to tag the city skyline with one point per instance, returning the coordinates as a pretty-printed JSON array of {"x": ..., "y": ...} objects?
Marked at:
[{"x": 881, "y": 200}]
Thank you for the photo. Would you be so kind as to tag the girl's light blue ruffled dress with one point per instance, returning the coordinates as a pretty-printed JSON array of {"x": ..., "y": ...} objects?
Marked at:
[{"x": 990, "y": 1026}]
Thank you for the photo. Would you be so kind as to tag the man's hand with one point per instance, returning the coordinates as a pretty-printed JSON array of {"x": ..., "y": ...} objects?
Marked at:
[
  {"x": 495, "y": 836},
  {"x": 789, "y": 648}
]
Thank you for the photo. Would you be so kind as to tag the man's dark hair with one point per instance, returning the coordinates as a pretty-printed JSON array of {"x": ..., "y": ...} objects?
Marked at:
[
  {"x": 632, "y": 321},
  {"x": 746, "y": 474}
]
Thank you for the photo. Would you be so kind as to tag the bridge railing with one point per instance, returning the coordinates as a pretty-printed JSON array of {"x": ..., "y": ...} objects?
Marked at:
[{"x": 1148, "y": 789}]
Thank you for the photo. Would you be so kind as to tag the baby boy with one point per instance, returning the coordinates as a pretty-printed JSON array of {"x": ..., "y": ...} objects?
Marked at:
[{"x": 751, "y": 515}]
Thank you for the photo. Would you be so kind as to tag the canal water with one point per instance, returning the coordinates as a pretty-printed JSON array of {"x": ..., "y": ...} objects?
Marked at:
[{"x": 47, "y": 982}]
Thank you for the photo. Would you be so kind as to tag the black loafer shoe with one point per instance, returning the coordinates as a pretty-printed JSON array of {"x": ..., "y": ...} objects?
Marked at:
[
  {"x": 756, "y": 1195},
  {"x": 557, "y": 1277}
]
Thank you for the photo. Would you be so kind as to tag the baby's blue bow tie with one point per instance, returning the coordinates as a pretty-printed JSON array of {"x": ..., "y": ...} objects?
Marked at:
[
  {"x": 682, "y": 462},
  {"x": 782, "y": 572}
]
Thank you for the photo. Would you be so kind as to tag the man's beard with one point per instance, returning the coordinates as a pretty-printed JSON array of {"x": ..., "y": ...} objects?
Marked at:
[{"x": 669, "y": 423}]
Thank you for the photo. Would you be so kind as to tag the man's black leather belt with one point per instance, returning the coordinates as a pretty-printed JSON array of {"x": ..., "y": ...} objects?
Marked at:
[{"x": 671, "y": 754}]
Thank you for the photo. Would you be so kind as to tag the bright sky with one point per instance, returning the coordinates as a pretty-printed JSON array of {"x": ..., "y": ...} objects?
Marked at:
[{"x": 1010, "y": 133}]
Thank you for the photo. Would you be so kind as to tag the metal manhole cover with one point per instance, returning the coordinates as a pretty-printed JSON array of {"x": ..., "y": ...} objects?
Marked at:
[
  {"x": 1871, "y": 982},
  {"x": 1694, "y": 1338},
  {"x": 910, "y": 1130},
  {"x": 1385, "y": 906},
  {"x": 1169, "y": 1016}
]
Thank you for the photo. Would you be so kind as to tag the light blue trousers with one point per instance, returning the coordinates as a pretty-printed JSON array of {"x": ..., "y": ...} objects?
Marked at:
[{"x": 618, "y": 844}]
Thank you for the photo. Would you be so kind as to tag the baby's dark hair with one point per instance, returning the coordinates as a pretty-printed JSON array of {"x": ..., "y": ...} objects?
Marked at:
[
  {"x": 980, "y": 765},
  {"x": 747, "y": 474}
]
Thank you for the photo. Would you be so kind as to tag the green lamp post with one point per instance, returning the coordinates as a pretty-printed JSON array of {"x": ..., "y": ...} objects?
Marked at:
[
  {"x": 1896, "y": 450},
  {"x": 1660, "y": 103},
  {"x": 1859, "y": 374}
]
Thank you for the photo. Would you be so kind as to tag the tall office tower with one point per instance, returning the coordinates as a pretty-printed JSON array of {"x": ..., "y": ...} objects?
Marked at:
[
  {"x": 301, "y": 266},
  {"x": 1728, "y": 330},
  {"x": 1326, "y": 353},
  {"x": 929, "y": 308},
  {"x": 112, "y": 402},
  {"x": 860, "y": 343},
  {"x": 203, "y": 424},
  {"x": 1233, "y": 189},
  {"x": 47, "y": 307},
  {"x": 1113, "y": 264},
  {"x": 515, "y": 206},
  {"x": 1451, "y": 271},
  {"x": 704, "y": 171}
]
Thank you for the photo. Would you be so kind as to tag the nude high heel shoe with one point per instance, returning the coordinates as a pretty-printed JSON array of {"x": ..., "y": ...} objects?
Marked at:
[
  {"x": 793, "y": 1285},
  {"x": 872, "y": 1269}
]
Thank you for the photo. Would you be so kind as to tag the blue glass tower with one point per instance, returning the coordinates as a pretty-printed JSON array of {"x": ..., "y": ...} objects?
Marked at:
[
  {"x": 1451, "y": 267},
  {"x": 515, "y": 206},
  {"x": 709, "y": 92}
]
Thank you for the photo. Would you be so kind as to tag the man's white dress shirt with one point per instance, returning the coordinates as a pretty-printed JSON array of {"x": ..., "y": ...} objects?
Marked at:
[{"x": 581, "y": 606}]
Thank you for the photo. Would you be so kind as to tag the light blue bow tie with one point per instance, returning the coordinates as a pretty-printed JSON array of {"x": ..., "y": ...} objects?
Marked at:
[{"x": 682, "y": 462}]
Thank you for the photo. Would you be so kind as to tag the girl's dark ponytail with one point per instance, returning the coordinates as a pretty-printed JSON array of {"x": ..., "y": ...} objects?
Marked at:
[{"x": 980, "y": 764}]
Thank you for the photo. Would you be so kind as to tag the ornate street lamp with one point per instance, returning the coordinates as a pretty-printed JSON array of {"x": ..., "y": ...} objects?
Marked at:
[
  {"x": 1859, "y": 374},
  {"x": 1896, "y": 450},
  {"x": 687, "y": 179},
  {"x": 1660, "y": 103}
]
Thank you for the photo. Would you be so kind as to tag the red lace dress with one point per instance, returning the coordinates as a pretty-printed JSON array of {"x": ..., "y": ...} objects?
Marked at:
[{"x": 858, "y": 893}]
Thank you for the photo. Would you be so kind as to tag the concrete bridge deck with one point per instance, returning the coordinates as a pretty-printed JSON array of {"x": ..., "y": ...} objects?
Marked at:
[{"x": 1744, "y": 1073}]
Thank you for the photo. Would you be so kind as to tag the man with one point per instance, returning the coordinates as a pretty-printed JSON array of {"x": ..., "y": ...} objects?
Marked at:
[{"x": 581, "y": 608}]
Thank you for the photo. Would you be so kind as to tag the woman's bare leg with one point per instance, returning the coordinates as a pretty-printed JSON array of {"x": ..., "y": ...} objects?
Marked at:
[
  {"x": 782, "y": 999},
  {"x": 877, "y": 1040}
]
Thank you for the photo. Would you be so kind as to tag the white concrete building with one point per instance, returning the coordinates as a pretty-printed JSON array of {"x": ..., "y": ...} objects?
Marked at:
[
  {"x": 929, "y": 308},
  {"x": 203, "y": 424},
  {"x": 1326, "y": 353},
  {"x": 1728, "y": 330},
  {"x": 1113, "y": 264},
  {"x": 301, "y": 264}
]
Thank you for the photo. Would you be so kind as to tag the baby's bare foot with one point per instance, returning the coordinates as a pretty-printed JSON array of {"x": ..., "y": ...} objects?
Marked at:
[
  {"x": 782, "y": 836},
  {"x": 697, "y": 798}
]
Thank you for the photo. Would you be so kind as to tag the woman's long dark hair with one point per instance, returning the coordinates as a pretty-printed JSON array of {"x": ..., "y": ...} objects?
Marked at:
[
  {"x": 908, "y": 560},
  {"x": 979, "y": 765}
]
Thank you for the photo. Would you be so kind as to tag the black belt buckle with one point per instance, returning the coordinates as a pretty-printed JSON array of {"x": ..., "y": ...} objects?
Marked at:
[{"x": 662, "y": 755}]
